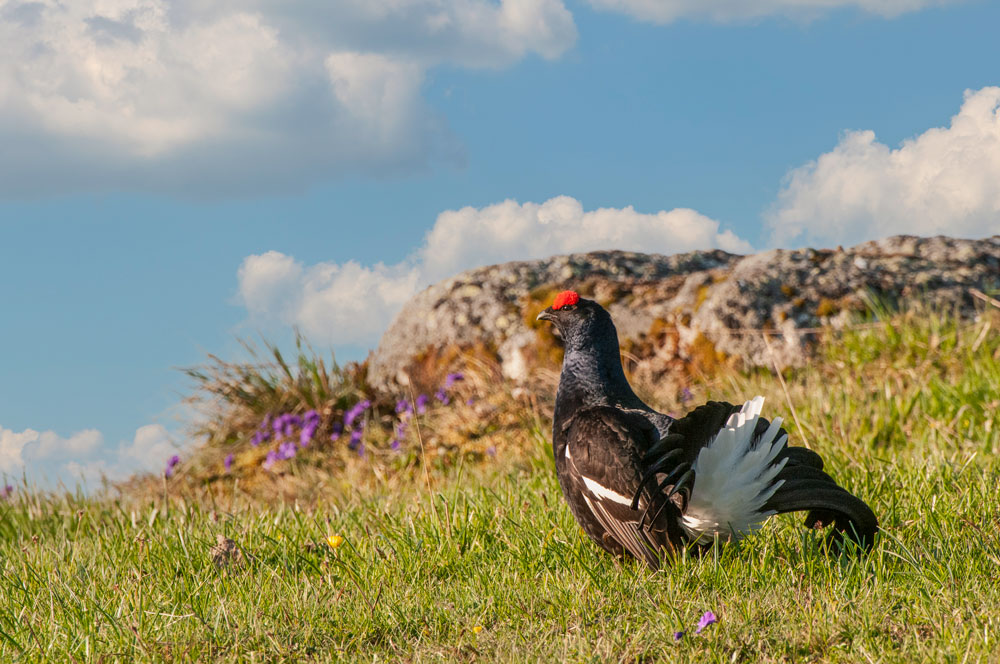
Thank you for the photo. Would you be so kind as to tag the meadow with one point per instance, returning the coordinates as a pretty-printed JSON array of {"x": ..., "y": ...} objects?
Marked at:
[{"x": 450, "y": 541}]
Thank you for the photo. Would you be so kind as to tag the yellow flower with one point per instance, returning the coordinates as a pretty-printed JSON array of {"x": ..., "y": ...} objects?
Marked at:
[
  {"x": 477, "y": 629},
  {"x": 335, "y": 541}
]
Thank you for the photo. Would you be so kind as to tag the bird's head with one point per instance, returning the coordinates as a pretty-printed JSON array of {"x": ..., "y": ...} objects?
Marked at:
[{"x": 580, "y": 322}]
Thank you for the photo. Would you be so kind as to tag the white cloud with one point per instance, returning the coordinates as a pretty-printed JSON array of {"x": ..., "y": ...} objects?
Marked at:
[
  {"x": 511, "y": 231},
  {"x": 946, "y": 180},
  {"x": 219, "y": 94},
  {"x": 49, "y": 459},
  {"x": 150, "y": 448},
  {"x": 371, "y": 85},
  {"x": 351, "y": 303},
  {"x": 270, "y": 285},
  {"x": 81, "y": 443},
  {"x": 345, "y": 303},
  {"x": 667, "y": 11},
  {"x": 12, "y": 446},
  {"x": 17, "y": 449}
]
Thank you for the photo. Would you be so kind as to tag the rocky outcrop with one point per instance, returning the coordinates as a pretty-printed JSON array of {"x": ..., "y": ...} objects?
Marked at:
[{"x": 699, "y": 308}]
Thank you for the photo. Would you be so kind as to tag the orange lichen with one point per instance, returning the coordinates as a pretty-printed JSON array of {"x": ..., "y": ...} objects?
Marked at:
[
  {"x": 701, "y": 296},
  {"x": 827, "y": 307},
  {"x": 704, "y": 356}
]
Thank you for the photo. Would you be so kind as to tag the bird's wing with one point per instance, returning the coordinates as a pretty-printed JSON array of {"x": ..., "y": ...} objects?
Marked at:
[
  {"x": 746, "y": 472},
  {"x": 603, "y": 460}
]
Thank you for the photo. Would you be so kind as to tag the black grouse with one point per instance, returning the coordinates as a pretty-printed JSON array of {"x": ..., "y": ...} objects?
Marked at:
[{"x": 642, "y": 482}]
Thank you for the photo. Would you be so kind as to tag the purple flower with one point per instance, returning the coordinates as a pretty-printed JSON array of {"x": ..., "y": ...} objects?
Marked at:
[
  {"x": 361, "y": 450},
  {"x": 272, "y": 456},
  {"x": 354, "y": 411},
  {"x": 265, "y": 424},
  {"x": 286, "y": 450},
  {"x": 355, "y": 440},
  {"x": 171, "y": 463},
  {"x": 706, "y": 619},
  {"x": 403, "y": 406},
  {"x": 311, "y": 417},
  {"x": 491, "y": 450},
  {"x": 685, "y": 395},
  {"x": 422, "y": 404},
  {"x": 285, "y": 424},
  {"x": 7, "y": 491},
  {"x": 338, "y": 429},
  {"x": 228, "y": 463},
  {"x": 260, "y": 436},
  {"x": 442, "y": 396},
  {"x": 452, "y": 378},
  {"x": 307, "y": 433},
  {"x": 398, "y": 434},
  {"x": 678, "y": 636},
  {"x": 470, "y": 401}
]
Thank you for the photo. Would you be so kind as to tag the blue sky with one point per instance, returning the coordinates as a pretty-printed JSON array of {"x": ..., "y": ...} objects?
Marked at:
[{"x": 174, "y": 174}]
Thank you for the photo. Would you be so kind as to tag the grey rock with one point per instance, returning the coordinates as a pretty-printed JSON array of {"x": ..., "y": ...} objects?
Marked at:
[{"x": 759, "y": 309}]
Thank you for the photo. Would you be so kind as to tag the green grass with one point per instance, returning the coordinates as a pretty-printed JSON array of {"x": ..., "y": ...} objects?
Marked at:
[{"x": 905, "y": 414}]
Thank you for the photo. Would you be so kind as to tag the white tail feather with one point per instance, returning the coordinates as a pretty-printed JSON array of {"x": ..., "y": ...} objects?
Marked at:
[{"x": 733, "y": 481}]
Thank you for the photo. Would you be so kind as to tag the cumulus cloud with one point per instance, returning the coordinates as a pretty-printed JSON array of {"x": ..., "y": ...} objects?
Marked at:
[
  {"x": 150, "y": 448},
  {"x": 223, "y": 95},
  {"x": 82, "y": 443},
  {"x": 17, "y": 448},
  {"x": 667, "y": 11},
  {"x": 946, "y": 180},
  {"x": 350, "y": 303},
  {"x": 12, "y": 446},
  {"x": 507, "y": 231},
  {"x": 346, "y": 302},
  {"x": 48, "y": 458}
]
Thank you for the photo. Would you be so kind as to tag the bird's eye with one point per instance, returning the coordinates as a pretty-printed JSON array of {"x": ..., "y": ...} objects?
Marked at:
[{"x": 568, "y": 307}]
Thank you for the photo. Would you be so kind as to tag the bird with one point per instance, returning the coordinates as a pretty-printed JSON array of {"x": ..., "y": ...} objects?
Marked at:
[{"x": 647, "y": 485}]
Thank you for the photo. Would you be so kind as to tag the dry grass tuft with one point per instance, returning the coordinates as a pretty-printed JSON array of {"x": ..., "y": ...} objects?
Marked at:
[{"x": 878, "y": 385}]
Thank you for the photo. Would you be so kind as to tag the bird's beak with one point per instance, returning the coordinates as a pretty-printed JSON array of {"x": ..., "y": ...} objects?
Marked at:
[{"x": 546, "y": 314}]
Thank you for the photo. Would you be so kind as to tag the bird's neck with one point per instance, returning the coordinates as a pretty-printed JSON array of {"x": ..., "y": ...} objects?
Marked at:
[{"x": 593, "y": 377}]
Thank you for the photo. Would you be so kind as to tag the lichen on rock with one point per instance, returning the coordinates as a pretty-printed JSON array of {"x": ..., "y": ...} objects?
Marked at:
[{"x": 701, "y": 308}]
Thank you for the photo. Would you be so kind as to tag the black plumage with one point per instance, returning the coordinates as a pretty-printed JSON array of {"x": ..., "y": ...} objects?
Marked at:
[{"x": 631, "y": 474}]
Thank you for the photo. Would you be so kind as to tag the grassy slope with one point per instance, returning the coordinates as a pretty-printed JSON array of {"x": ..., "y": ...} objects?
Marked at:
[{"x": 904, "y": 414}]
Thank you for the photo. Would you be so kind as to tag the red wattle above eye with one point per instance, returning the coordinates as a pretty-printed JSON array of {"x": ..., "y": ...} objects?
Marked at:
[{"x": 565, "y": 298}]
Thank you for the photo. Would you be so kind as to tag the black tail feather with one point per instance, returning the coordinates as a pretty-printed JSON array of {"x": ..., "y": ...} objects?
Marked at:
[
  {"x": 806, "y": 486},
  {"x": 793, "y": 473},
  {"x": 827, "y": 503},
  {"x": 797, "y": 456}
]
